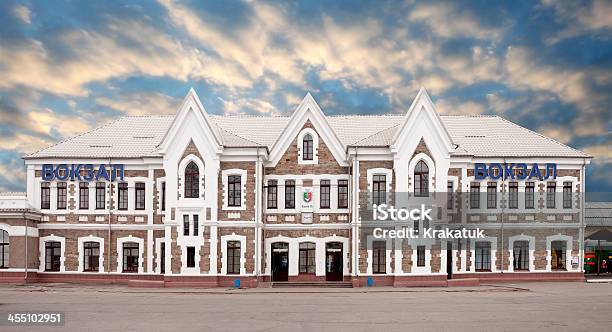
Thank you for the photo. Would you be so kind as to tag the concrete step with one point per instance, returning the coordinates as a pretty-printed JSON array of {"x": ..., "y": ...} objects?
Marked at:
[{"x": 312, "y": 284}]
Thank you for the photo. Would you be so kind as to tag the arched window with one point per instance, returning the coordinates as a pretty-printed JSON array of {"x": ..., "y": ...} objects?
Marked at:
[
  {"x": 4, "y": 249},
  {"x": 307, "y": 147},
  {"x": 192, "y": 180},
  {"x": 421, "y": 179}
]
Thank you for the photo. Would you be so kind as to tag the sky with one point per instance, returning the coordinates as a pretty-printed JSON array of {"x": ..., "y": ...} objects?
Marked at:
[{"x": 69, "y": 66}]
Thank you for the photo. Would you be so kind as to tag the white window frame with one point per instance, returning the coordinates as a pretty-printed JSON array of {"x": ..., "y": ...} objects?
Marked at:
[
  {"x": 49, "y": 238},
  {"x": 81, "y": 243},
  {"x": 315, "y": 147},
  {"x": 243, "y": 178},
  {"x": 120, "y": 242},
  {"x": 224, "y": 240}
]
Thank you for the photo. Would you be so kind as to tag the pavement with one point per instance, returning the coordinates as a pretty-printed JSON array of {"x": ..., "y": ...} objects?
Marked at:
[{"x": 559, "y": 306}]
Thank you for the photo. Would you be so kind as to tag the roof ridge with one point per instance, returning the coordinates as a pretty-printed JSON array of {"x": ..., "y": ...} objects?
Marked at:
[
  {"x": 543, "y": 136},
  {"x": 74, "y": 137}
]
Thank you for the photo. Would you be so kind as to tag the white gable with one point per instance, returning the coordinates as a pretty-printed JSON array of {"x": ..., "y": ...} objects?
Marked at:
[{"x": 308, "y": 110}]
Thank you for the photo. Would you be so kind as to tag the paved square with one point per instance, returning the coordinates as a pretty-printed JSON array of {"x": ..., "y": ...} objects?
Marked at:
[{"x": 533, "y": 306}]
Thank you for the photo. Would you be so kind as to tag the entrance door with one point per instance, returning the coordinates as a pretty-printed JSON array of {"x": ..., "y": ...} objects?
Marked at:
[
  {"x": 280, "y": 261},
  {"x": 449, "y": 259},
  {"x": 333, "y": 261}
]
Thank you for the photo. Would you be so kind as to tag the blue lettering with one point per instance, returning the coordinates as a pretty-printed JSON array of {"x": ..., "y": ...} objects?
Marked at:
[
  {"x": 551, "y": 170},
  {"x": 89, "y": 174},
  {"x": 495, "y": 175},
  {"x": 102, "y": 173},
  {"x": 535, "y": 171},
  {"x": 508, "y": 171},
  {"x": 62, "y": 175},
  {"x": 480, "y": 171},
  {"x": 120, "y": 168},
  {"x": 522, "y": 172},
  {"x": 47, "y": 172}
]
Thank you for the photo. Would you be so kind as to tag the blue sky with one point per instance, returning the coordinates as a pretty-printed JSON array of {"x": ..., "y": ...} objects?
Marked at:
[{"x": 68, "y": 66}]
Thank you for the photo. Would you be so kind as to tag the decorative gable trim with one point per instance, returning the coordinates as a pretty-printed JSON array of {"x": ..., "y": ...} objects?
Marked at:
[
  {"x": 191, "y": 102},
  {"x": 422, "y": 103},
  {"x": 308, "y": 110}
]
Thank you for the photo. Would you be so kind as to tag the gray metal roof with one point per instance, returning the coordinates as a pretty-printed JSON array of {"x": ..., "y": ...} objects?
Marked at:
[{"x": 139, "y": 136}]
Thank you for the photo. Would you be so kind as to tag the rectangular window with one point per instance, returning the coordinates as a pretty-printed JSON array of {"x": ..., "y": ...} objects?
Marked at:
[
  {"x": 162, "y": 258},
  {"x": 483, "y": 256},
  {"x": 420, "y": 255},
  {"x": 449, "y": 195},
  {"x": 185, "y": 224},
  {"x": 234, "y": 190},
  {"x": 53, "y": 256},
  {"x": 130, "y": 257},
  {"x": 5, "y": 249},
  {"x": 307, "y": 257},
  {"x": 122, "y": 196},
  {"x": 100, "y": 196},
  {"x": 475, "y": 195},
  {"x": 289, "y": 194},
  {"x": 567, "y": 195},
  {"x": 491, "y": 195},
  {"x": 529, "y": 195},
  {"x": 557, "y": 255},
  {"x": 342, "y": 194},
  {"x": 91, "y": 256},
  {"x": 416, "y": 227},
  {"x": 190, "y": 256},
  {"x": 84, "y": 196},
  {"x": 61, "y": 195},
  {"x": 551, "y": 188},
  {"x": 379, "y": 257},
  {"x": 45, "y": 196},
  {"x": 233, "y": 257},
  {"x": 379, "y": 189},
  {"x": 521, "y": 255},
  {"x": 140, "y": 196},
  {"x": 325, "y": 194},
  {"x": 272, "y": 194},
  {"x": 513, "y": 195},
  {"x": 196, "y": 222},
  {"x": 163, "y": 197}
]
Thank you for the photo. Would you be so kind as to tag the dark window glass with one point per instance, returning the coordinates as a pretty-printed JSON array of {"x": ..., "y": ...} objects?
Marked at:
[
  {"x": 61, "y": 195},
  {"x": 233, "y": 257},
  {"x": 4, "y": 249},
  {"x": 162, "y": 258},
  {"x": 342, "y": 194},
  {"x": 379, "y": 257},
  {"x": 234, "y": 190},
  {"x": 415, "y": 227},
  {"x": 140, "y": 196},
  {"x": 122, "y": 194},
  {"x": 529, "y": 195},
  {"x": 196, "y": 224},
  {"x": 379, "y": 189},
  {"x": 492, "y": 195},
  {"x": 289, "y": 194},
  {"x": 513, "y": 195},
  {"x": 449, "y": 195},
  {"x": 307, "y": 148},
  {"x": 186, "y": 224},
  {"x": 190, "y": 256},
  {"x": 100, "y": 196},
  {"x": 558, "y": 255},
  {"x": 163, "y": 198},
  {"x": 325, "y": 194},
  {"x": 420, "y": 255},
  {"x": 45, "y": 196},
  {"x": 421, "y": 179},
  {"x": 521, "y": 255},
  {"x": 192, "y": 180},
  {"x": 272, "y": 194},
  {"x": 475, "y": 195},
  {"x": 483, "y": 256},
  {"x": 307, "y": 257},
  {"x": 551, "y": 188},
  {"x": 53, "y": 256},
  {"x": 567, "y": 195},
  {"x": 130, "y": 257},
  {"x": 91, "y": 256},
  {"x": 83, "y": 195}
]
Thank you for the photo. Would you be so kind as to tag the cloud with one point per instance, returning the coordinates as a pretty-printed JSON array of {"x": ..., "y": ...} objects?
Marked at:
[
  {"x": 141, "y": 103},
  {"x": 23, "y": 14},
  {"x": 448, "y": 21},
  {"x": 580, "y": 17},
  {"x": 454, "y": 106},
  {"x": 601, "y": 152}
]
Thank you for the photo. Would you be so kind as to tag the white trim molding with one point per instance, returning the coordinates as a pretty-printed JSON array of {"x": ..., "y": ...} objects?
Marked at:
[
  {"x": 224, "y": 240},
  {"x": 568, "y": 251},
  {"x": 81, "y": 242},
  {"x": 120, "y": 242},
  {"x": 50, "y": 238},
  {"x": 243, "y": 178},
  {"x": 315, "y": 146},
  {"x": 522, "y": 237}
]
